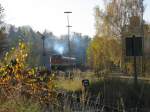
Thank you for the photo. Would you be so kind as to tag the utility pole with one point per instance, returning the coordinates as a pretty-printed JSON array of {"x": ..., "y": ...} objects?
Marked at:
[{"x": 69, "y": 47}]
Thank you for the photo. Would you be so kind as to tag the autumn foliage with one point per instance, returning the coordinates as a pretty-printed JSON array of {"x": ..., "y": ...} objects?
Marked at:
[
  {"x": 18, "y": 80},
  {"x": 103, "y": 52}
]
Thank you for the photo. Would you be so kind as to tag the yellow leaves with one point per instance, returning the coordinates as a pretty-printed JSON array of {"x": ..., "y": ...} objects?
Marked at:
[
  {"x": 135, "y": 21},
  {"x": 24, "y": 56},
  {"x": 18, "y": 76},
  {"x": 19, "y": 54},
  {"x": 6, "y": 54},
  {"x": 17, "y": 60},
  {"x": 51, "y": 85},
  {"x": 103, "y": 50},
  {"x": 31, "y": 72},
  {"x": 110, "y": 10},
  {"x": 15, "y": 69},
  {"x": 22, "y": 45},
  {"x": 12, "y": 48}
]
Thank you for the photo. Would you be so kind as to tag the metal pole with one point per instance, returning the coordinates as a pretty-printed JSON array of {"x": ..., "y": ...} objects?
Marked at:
[
  {"x": 69, "y": 36},
  {"x": 43, "y": 44},
  {"x": 43, "y": 38},
  {"x": 135, "y": 68},
  {"x": 142, "y": 29},
  {"x": 69, "y": 47}
]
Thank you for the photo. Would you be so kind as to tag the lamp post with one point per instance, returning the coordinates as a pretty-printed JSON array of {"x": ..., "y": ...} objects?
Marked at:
[
  {"x": 69, "y": 47},
  {"x": 43, "y": 43},
  {"x": 43, "y": 49}
]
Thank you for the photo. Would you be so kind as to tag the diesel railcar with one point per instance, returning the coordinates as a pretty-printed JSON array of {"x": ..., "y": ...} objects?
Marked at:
[{"x": 60, "y": 62}]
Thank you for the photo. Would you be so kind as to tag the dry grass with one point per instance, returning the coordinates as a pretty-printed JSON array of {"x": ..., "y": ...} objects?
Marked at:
[
  {"x": 74, "y": 84},
  {"x": 12, "y": 106},
  {"x": 69, "y": 85}
]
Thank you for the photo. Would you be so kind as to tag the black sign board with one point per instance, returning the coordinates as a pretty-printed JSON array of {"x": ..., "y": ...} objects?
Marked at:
[
  {"x": 85, "y": 82},
  {"x": 134, "y": 46}
]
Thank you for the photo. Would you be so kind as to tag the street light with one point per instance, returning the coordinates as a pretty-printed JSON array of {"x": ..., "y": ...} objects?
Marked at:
[
  {"x": 43, "y": 38},
  {"x": 68, "y": 12},
  {"x": 43, "y": 42},
  {"x": 44, "y": 60}
]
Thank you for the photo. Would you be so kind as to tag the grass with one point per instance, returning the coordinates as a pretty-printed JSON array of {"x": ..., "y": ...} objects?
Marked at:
[
  {"x": 69, "y": 85},
  {"x": 115, "y": 89},
  {"x": 19, "y": 106},
  {"x": 74, "y": 84},
  {"x": 116, "y": 92}
]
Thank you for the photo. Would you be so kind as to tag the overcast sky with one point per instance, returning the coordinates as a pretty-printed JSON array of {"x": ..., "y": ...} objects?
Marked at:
[{"x": 49, "y": 14}]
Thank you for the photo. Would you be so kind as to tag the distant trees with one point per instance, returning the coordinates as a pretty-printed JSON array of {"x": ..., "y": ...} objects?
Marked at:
[
  {"x": 3, "y": 38},
  {"x": 1, "y": 13},
  {"x": 79, "y": 45},
  {"x": 31, "y": 38}
]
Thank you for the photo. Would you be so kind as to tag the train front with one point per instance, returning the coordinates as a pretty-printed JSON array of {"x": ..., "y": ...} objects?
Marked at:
[{"x": 62, "y": 63}]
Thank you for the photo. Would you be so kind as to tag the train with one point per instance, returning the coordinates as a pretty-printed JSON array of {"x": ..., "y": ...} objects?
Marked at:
[{"x": 60, "y": 62}]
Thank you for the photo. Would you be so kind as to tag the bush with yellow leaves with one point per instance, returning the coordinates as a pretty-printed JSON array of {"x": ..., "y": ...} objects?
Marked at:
[{"x": 29, "y": 82}]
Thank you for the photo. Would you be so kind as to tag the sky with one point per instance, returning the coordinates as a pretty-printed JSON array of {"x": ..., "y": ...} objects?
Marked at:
[{"x": 49, "y": 14}]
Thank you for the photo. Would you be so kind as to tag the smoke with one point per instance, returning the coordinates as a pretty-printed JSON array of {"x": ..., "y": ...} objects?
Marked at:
[
  {"x": 78, "y": 45},
  {"x": 76, "y": 40},
  {"x": 56, "y": 45},
  {"x": 59, "y": 48}
]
